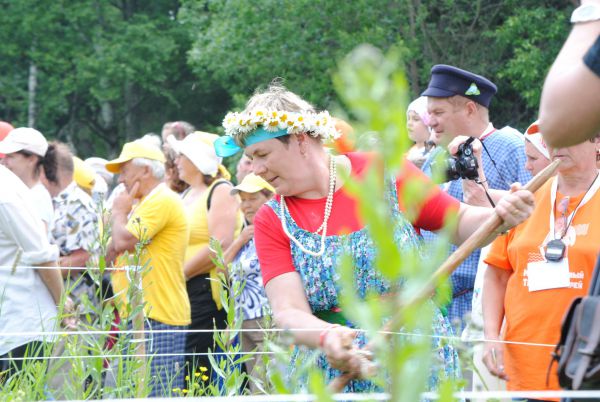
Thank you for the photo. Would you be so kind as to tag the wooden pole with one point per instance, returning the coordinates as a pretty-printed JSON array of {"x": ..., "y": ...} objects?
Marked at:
[{"x": 472, "y": 243}]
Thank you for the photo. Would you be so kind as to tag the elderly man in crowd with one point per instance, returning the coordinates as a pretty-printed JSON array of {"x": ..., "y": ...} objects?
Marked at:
[
  {"x": 159, "y": 224},
  {"x": 458, "y": 104},
  {"x": 29, "y": 297}
]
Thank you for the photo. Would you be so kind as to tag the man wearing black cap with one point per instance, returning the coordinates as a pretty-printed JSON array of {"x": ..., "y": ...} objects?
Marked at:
[{"x": 458, "y": 103}]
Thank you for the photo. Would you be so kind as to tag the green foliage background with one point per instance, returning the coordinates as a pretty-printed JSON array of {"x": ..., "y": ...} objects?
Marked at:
[{"x": 110, "y": 71}]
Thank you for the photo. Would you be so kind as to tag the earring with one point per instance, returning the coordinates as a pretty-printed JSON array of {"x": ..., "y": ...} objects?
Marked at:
[{"x": 302, "y": 145}]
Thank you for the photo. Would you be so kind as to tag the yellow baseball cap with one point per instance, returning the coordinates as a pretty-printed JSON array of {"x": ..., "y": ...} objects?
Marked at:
[
  {"x": 135, "y": 149},
  {"x": 83, "y": 174},
  {"x": 252, "y": 184}
]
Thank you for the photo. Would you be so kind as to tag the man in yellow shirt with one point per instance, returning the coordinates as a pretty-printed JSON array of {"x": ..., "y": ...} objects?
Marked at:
[{"x": 157, "y": 222}]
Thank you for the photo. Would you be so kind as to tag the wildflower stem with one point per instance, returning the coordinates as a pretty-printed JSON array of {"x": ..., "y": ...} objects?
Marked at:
[{"x": 138, "y": 326}]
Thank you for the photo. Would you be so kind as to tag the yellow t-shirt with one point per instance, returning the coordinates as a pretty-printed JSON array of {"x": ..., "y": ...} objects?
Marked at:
[
  {"x": 160, "y": 220},
  {"x": 197, "y": 215}
]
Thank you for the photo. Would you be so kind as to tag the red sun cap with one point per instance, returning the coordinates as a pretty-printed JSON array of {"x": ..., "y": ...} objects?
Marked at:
[{"x": 5, "y": 128}]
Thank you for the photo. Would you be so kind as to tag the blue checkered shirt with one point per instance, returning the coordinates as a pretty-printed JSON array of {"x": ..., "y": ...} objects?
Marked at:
[{"x": 507, "y": 150}]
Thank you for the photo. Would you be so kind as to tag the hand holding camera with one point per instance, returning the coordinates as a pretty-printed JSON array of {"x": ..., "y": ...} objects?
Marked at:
[
  {"x": 467, "y": 164},
  {"x": 466, "y": 160}
]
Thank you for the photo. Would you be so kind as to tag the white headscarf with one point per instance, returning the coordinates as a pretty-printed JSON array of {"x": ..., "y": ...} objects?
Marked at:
[{"x": 419, "y": 106}]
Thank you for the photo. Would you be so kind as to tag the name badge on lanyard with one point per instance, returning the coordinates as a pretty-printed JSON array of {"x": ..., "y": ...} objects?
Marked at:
[
  {"x": 554, "y": 272},
  {"x": 544, "y": 275}
]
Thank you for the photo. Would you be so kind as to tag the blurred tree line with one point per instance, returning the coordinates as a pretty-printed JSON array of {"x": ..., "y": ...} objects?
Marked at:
[{"x": 96, "y": 73}]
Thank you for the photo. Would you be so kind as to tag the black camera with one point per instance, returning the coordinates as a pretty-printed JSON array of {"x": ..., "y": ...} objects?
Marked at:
[{"x": 464, "y": 165}]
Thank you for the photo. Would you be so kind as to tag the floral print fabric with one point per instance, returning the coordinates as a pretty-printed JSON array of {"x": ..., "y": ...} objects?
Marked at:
[
  {"x": 252, "y": 301},
  {"x": 75, "y": 221}
]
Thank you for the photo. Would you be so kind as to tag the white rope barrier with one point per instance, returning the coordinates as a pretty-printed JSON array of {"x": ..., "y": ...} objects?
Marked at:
[
  {"x": 65, "y": 267},
  {"x": 122, "y": 356},
  {"x": 264, "y": 398},
  {"x": 154, "y": 331},
  {"x": 265, "y": 330},
  {"x": 589, "y": 395},
  {"x": 222, "y": 353}
]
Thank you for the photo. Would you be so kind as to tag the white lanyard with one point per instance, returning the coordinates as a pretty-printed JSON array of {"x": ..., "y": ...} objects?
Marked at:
[{"x": 588, "y": 195}]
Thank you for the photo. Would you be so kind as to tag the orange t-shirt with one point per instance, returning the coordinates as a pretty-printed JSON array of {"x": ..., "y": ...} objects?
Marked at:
[{"x": 536, "y": 317}]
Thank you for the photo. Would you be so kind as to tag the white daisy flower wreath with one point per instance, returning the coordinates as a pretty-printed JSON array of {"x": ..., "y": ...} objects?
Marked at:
[{"x": 315, "y": 124}]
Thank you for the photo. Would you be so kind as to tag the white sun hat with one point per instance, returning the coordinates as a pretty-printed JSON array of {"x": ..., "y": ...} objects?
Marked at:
[
  {"x": 24, "y": 139},
  {"x": 198, "y": 150}
]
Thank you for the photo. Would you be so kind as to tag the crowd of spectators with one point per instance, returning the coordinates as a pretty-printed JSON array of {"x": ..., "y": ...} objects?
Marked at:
[{"x": 165, "y": 200}]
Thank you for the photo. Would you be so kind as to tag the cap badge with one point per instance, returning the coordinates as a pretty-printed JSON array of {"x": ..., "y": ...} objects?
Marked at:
[{"x": 473, "y": 90}]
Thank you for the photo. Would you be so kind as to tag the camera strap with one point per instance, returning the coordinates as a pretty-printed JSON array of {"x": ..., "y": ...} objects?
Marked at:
[
  {"x": 506, "y": 183},
  {"x": 469, "y": 141},
  {"x": 487, "y": 195}
]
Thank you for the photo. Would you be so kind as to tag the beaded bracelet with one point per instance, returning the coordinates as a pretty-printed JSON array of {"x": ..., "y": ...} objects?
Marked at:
[{"x": 324, "y": 333}]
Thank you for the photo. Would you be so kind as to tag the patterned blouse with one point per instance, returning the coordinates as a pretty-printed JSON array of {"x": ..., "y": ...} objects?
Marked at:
[
  {"x": 251, "y": 301},
  {"x": 75, "y": 221}
]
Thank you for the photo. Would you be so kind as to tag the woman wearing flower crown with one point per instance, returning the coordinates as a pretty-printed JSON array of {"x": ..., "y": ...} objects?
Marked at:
[{"x": 300, "y": 234}]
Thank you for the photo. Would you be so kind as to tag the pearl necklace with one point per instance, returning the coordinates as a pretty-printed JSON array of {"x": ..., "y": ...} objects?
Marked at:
[{"x": 328, "y": 206}]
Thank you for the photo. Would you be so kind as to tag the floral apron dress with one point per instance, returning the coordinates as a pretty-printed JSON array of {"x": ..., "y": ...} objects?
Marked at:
[{"x": 320, "y": 279}]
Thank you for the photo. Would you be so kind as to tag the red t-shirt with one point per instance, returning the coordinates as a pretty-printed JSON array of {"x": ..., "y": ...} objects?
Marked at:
[{"x": 273, "y": 246}]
